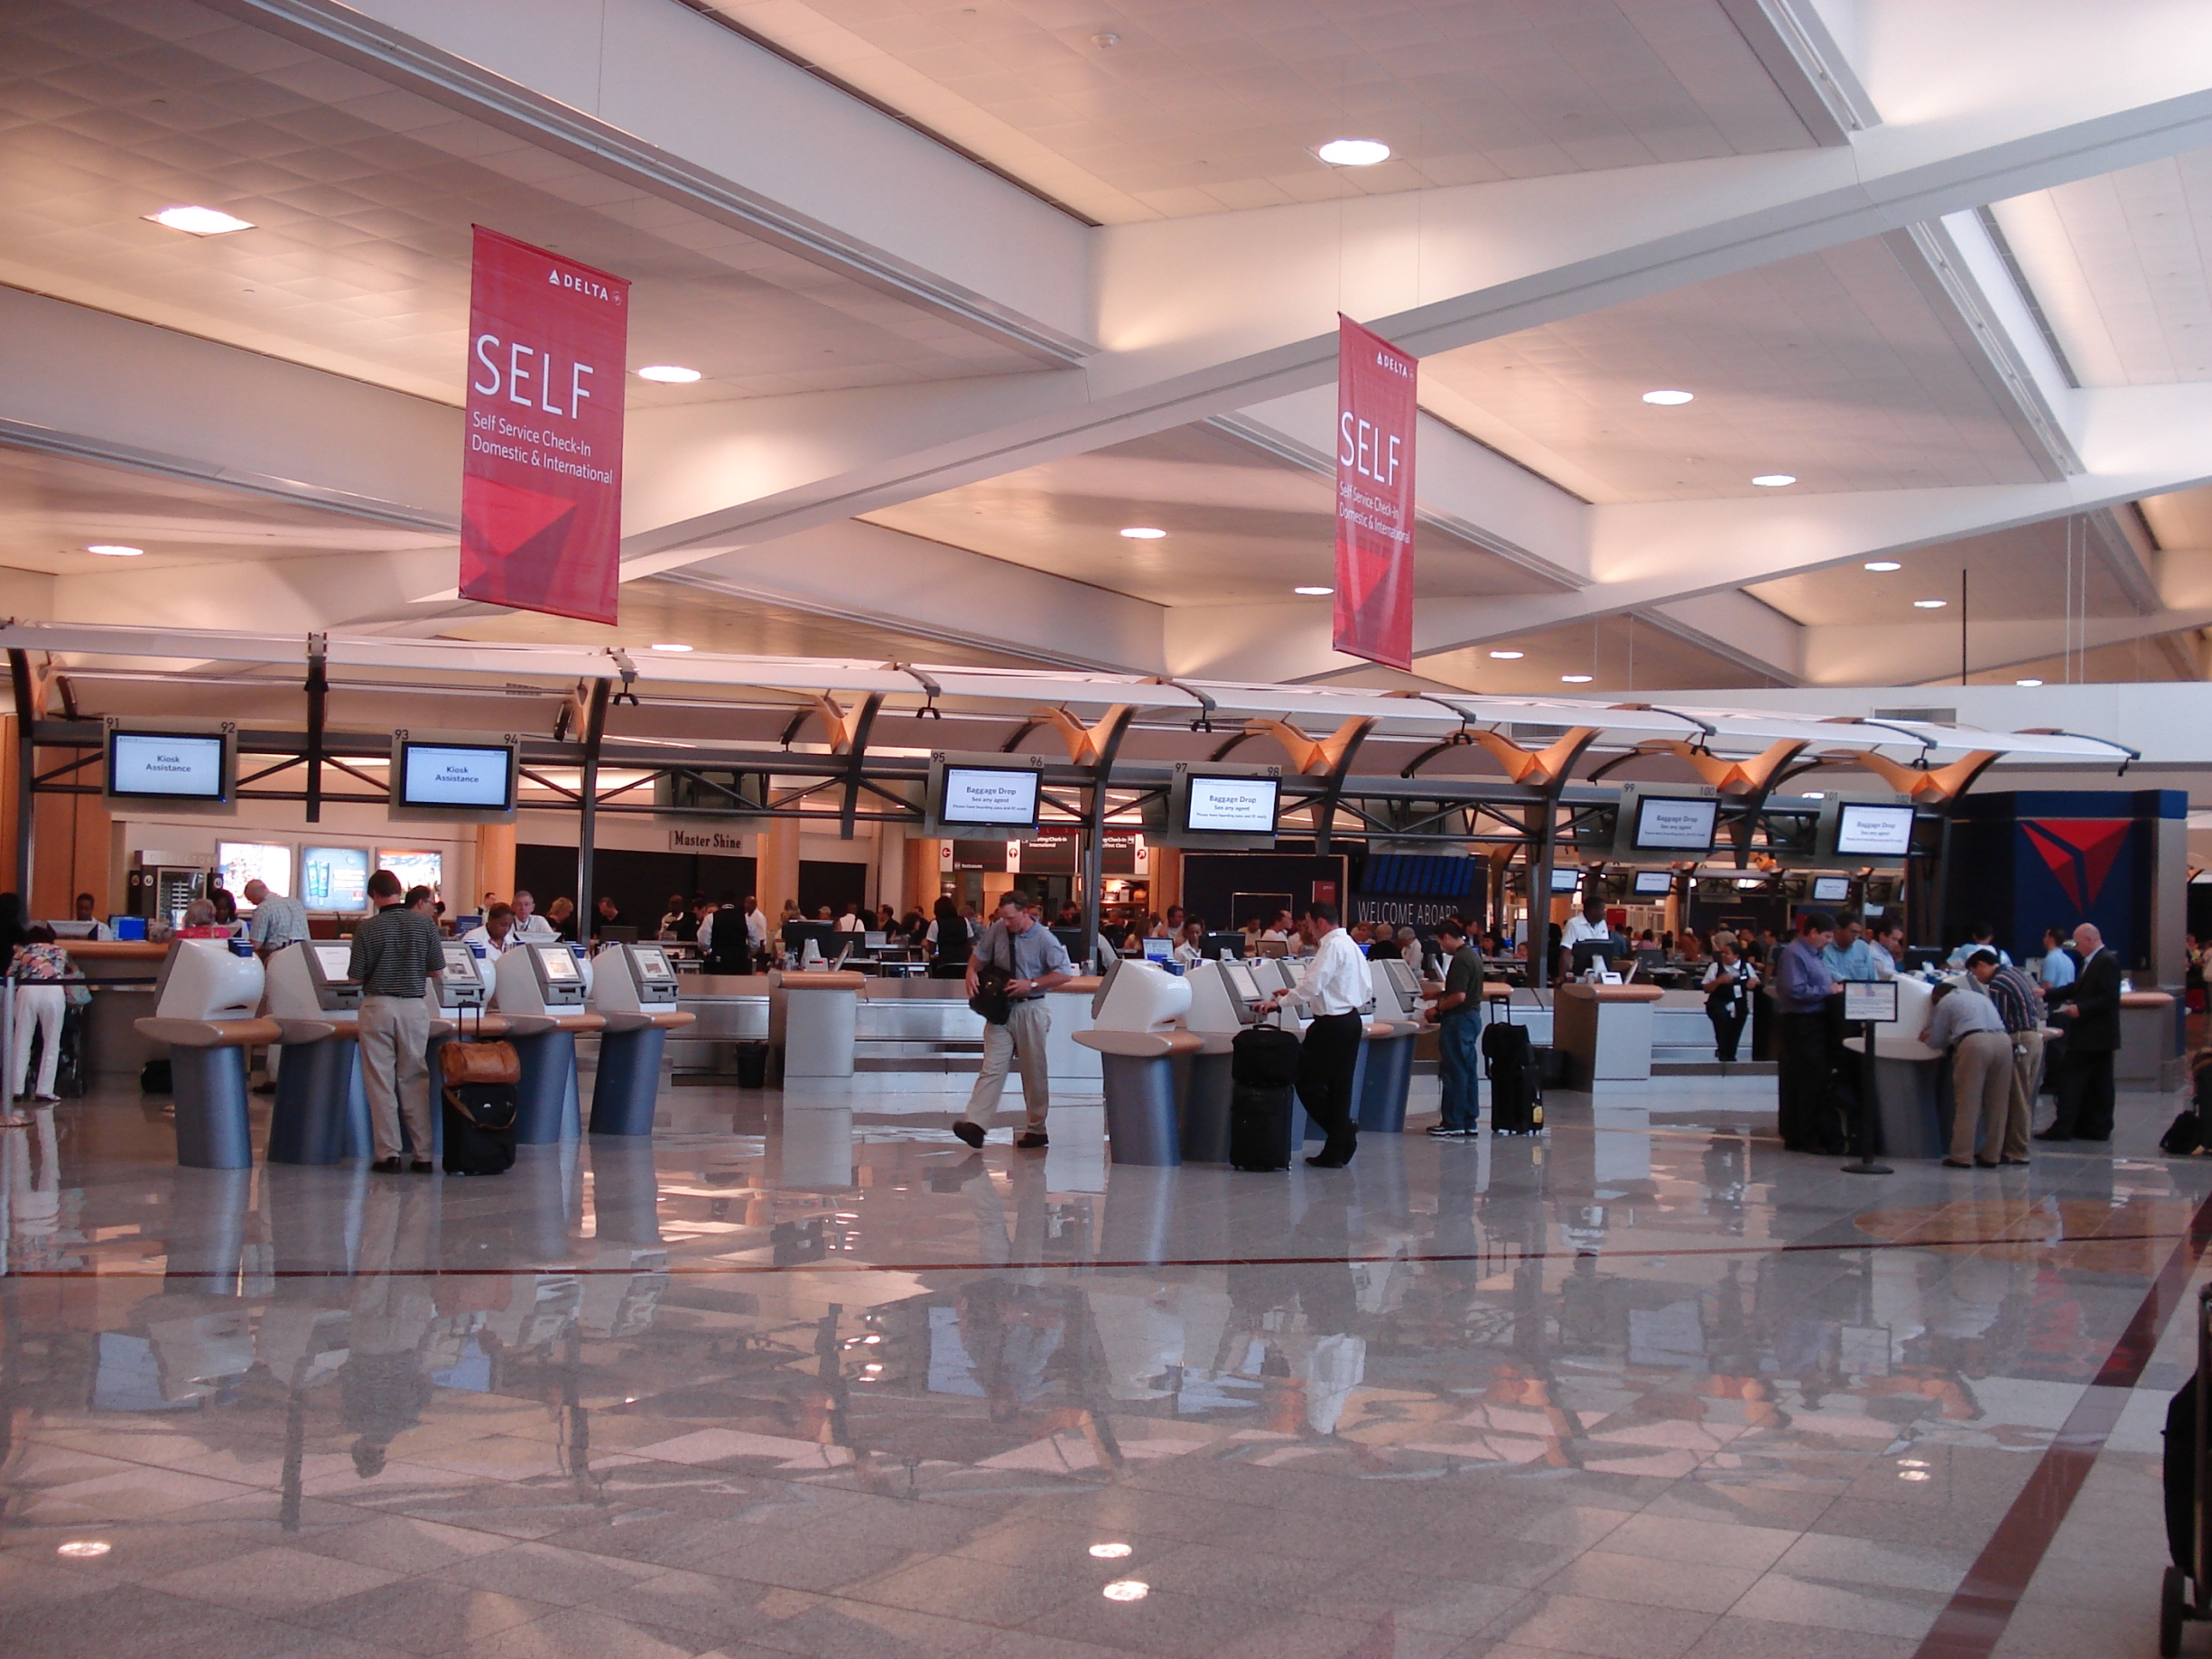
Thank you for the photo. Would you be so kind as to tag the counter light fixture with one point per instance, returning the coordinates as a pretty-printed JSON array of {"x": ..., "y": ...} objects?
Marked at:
[
  {"x": 2027, "y": 682},
  {"x": 668, "y": 374},
  {"x": 1775, "y": 480},
  {"x": 1883, "y": 564},
  {"x": 669, "y": 645},
  {"x": 199, "y": 222},
  {"x": 1354, "y": 151},
  {"x": 1143, "y": 533},
  {"x": 1668, "y": 400},
  {"x": 1313, "y": 593},
  {"x": 1507, "y": 656},
  {"x": 1929, "y": 604},
  {"x": 116, "y": 550},
  {"x": 1576, "y": 680}
]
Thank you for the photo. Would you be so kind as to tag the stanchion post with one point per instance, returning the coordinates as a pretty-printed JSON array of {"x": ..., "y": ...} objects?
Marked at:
[{"x": 1862, "y": 1128}]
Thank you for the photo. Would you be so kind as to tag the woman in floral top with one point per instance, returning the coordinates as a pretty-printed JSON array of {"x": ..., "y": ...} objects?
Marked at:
[{"x": 38, "y": 965}]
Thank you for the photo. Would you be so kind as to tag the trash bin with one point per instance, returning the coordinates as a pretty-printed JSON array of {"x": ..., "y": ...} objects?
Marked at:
[{"x": 752, "y": 1065}]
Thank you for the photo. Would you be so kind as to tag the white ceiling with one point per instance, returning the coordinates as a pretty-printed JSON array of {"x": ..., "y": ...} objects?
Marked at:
[
  {"x": 1836, "y": 367},
  {"x": 2118, "y": 264},
  {"x": 2015, "y": 575},
  {"x": 1242, "y": 525},
  {"x": 362, "y": 198},
  {"x": 1206, "y": 105},
  {"x": 1621, "y": 654},
  {"x": 2183, "y": 519}
]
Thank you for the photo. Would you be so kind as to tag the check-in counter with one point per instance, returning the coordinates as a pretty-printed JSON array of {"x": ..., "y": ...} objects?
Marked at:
[
  {"x": 121, "y": 975},
  {"x": 2151, "y": 1046},
  {"x": 1068, "y": 1063},
  {"x": 921, "y": 1028},
  {"x": 1605, "y": 1031},
  {"x": 815, "y": 1020},
  {"x": 1908, "y": 1120},
  {"x": 729, "y": 1009},
  {"x": 541, "y": 989}
]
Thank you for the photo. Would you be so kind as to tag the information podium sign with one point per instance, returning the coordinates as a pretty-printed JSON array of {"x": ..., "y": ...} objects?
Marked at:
[{"x": 1870, "y": 1001}]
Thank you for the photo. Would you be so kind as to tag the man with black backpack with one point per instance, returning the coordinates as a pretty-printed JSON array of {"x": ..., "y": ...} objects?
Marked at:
[{"x": 1023, "y": 961}]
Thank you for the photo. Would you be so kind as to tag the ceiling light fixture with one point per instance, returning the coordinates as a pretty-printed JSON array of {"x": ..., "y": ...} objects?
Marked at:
[
  {"x": 670, "y": 645},
  {"x": 1508, "y": 656},
  {"x": 2027, "y": 682},
  {"x": 116, "y": 550},
  {"x": 1143, "y": 533},
  {"x": 1929, "y": 604},
  {"x": 1576, "y": 680},
  {"x": 1313, "y": 593},
  {"x": 1775, "y": 480},
  {"x": 1668, "y": 400},
  {"x": 1354, "y": 151},
  {"x": 199, "y": 222},
  {"x": 668, "y": 374},
  {"x": 1883, "y": 564}
]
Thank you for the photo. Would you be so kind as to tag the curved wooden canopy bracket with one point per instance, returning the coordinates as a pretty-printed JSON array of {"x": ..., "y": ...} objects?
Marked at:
[
  {"x": 1316, "y": 757},
  {"x": 1732, "y": 778},
  {"x": 1086, "y": 745},
  {"x": 841, "y": 726},
  {"x": 1536, "y": 767},
  {"x": 1934, "y": 786}
]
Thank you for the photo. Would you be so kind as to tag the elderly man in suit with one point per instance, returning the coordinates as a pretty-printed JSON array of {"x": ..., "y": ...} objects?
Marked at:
[{"x": 2089, "y": 1010}]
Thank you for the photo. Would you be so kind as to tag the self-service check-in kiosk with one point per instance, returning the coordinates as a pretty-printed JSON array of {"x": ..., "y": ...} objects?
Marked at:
[
  {"x": 540, "y": 988},
  {"x": 1223, "y": 991},
  {"x": 206, "y": 1009},
  {"x": 1134, "y": 1029},
  {"x": 1387, "y": 1069},
  {"x": 634, "y": 988},
  {"x": 321, "y": 1112}
]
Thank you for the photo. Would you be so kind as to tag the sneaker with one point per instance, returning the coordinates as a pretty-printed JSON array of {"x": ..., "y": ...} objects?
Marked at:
[
  {"x": 1031, "y": 1140},
  {"x": 1443, "y": 1132},
  {"x": 972, "y": 1133}
]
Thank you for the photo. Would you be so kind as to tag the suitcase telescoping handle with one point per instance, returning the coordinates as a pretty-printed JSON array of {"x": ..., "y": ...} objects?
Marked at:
[{"x": 2201, "y": 1556}]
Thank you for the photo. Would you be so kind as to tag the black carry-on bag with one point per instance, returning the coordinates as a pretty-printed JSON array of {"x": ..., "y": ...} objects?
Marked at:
[
  {"x": 1516, "y": 1083},
  {"x": 479, "y": 1101},
  {"x": 2187, "y": 1593},
  {"x": 1263, "y": 1069}
]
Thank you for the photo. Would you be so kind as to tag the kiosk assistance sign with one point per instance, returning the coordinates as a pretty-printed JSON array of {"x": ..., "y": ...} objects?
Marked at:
[
  {"x": 1375, "y": 415},
  {"x": 541, "y": 500}
]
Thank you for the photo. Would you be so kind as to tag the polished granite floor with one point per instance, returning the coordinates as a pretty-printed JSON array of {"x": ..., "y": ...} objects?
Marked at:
[{"x": 806, "y": 1376}]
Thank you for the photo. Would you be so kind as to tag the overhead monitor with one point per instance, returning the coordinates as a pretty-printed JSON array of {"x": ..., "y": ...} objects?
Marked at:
[
  {"x": 334, "y": 879},
  {"x": 1231, "y": 805},
  {"x": 335, "y": 959},
  {"x": 990, "y": 797},
  {"x": 454, "y": 777},
  {"x": 1566, "y": 881},
  {"x": 559, "y": 963},
  {"x": 1831, "y": 890},
  {"x": 1653, "y": 883},
  {"x": 238, "y": 863},
  {"x": 1675, "y": 824},
  {"x": 413, "y": 869},
  {"x": 1876, "y": 831},
  {"x": 167, "y": 766}
]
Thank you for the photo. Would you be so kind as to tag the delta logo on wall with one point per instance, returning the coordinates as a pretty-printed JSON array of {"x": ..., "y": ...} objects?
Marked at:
[{"x": 2080, "y": 854}]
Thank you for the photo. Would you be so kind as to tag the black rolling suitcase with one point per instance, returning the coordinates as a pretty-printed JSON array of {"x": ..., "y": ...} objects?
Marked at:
[
  {"x": 480, "y": 1100},
  {"x": 2187, "y": 1592},
  {"x": 1263, "y": 1067},
  {"x": 1516, "y": 1087}
]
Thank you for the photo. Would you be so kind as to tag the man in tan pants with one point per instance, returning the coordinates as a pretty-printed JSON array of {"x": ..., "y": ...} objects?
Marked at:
[
  {"x": 1969, "y": 1028},
  {"x": 1037, "y": 962}
]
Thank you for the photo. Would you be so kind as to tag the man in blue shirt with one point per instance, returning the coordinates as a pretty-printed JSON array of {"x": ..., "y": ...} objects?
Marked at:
[
  {"x": 1847, "y": 955},
  {"x": 1802, "y": 986},
  {"x": 1982, "y": 934},
  {"x": 2059, "y": 969}
]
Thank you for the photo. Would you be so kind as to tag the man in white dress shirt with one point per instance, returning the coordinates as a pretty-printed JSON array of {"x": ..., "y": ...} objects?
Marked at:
[
  {"x": 1336, "y": 986},
  {"x": 528, "y": 923}
]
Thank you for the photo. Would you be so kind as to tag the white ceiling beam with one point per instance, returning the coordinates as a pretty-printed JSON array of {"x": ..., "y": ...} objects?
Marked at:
[{"x": 1738, "y": 628}]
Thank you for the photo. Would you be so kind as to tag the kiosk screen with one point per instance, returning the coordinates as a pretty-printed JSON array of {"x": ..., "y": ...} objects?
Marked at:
[
  {"x": 336, "y": 961},
  {"x": 459, "y": 960},
  {"x": 560, "y": 968},
  {"x": 1233, "y": 805},
  {"x": 1879, "y": 831},
  {"x": 165, "y": 766},
  {"x": 1667, "y": 824},
  {"x": 652, "y": 962},
  {"x": 1239, "y": 979},
  {"x": 990, "y": 796}
]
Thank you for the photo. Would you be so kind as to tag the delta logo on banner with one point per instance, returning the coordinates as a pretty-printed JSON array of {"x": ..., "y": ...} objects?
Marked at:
[
  {"x": 1375, "y": 415},
  {"x": 541, "y": 496},
  {"x": 2079, "y": 852}
]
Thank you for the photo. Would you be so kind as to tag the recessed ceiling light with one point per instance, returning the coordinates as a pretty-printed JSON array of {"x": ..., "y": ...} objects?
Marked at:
[
  {"x": 1143, "y": 533},
  {"x": 1929, "y": 604},
  {"x": 1127, "y": 1590},
  {"x": 1508, "y": 656},
  {"x": 2027, "y": 682},
  {"x": 1775, "y": 480},
  {"x": 1883, "y": 564},
  {"x": 668, "y": 374},
  {"x": 116, "y": 550},
  {"x": 669, "y": 645},
  {"x": 1110, "y": 1551},
  {"x": 1576, "y": 680},
  {"x": 198, "y": 221},
  {"x": 1313, "y": 593},
  {"x": 1670, "y": 398},
  {"x": 1354, "y": 151}
]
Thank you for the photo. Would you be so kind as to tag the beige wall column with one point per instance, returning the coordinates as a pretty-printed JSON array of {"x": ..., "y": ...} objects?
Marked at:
[
  {"x": 923, "y": 884},
  {"x": 495, "y": 867},
  {"x": 1167, "y": 878},
  {"x": 777, "y": 866},
  {"x": 71, "y": 838}
]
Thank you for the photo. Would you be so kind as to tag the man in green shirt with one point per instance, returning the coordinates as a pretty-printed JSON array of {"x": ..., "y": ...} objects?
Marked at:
[
  {"x": 394, "y": 954},
  {"x": 1459, "y": 1035}
]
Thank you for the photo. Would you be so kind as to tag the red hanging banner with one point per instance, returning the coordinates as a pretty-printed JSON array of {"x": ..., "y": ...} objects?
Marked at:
[
  {"x": 541, "y": 494},
  {"x": 1375, "y": 414}
]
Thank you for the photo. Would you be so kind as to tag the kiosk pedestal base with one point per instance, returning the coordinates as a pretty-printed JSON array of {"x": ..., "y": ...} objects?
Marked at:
[
  {"x": 210, "y": 1093},
  {"x": 628, "y": 1083},
  {"x": 1140, "y": 1109},
  {"x": 1205, "y": 1087},
  {"x": 321, "y": 1112},
  {"x": 1388, "y": 1077},
  {"x": 1302, "y": 1120},
  {"x": 546, "y": 1109}
]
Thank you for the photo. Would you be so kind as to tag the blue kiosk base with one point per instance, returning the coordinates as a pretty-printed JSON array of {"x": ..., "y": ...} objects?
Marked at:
[
  {"x": 322, "y": 1114},
  {"x": 1384, "y": 1083},
  {"x": 547, "y": 1107},
  {"x": 628, "y": 1083},
  {"x": 1206, "y": 1088},
  {"x": 1140, "y": 1109},
  {"x": 209, "y": 1088}
]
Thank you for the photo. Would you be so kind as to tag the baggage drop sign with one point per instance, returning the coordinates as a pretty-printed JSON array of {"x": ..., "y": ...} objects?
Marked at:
[
  {"x": 541, "y": 499},
  {"x": 1375, "y": 414}
]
